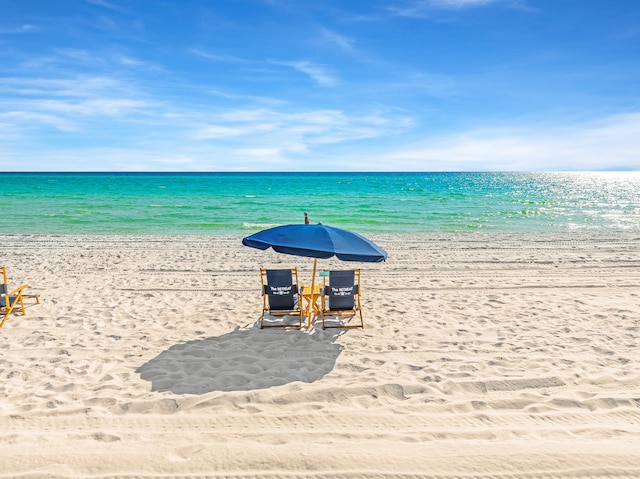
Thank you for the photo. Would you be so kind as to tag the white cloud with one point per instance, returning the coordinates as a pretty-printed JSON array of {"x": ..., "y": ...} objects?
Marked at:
[
  {"x": 459, "y": 3},
  {"x": 432, "y": 84},
  {"x": 261, "y": 152},
  {"x": 214, "y": 56},
  {"x": 610, "y": 143},
  {"x": 247, "y": 98},
  {"x": 342, "y": 41},
  {"x": 217, "y": 131},
  {"x": 424, "y": 8},
  {"x": 29, "y": 120},
  {"x": 99, "y": 107},
  {"x": 26, "y": 28},
  {"x": 66, "y": 104},
  {"x": 78, "y": 60},
  {"x": 107, "y": 5},
  {"x": 295, "y": 132},
  {"x": 77, "y": 87},
  {"x": 316, "y": 72},
  {"x": 131, "y": 62},
  {"x": 174, "y": 160},
  {"x": 235, "y": 140}
]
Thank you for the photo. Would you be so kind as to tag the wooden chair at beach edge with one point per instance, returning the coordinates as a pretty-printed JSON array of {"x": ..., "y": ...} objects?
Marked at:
[
  {"x": 341, "y": 299},
  {"x": 13, "y": 301},
  {"x": 281, "y": 297},
  {"x": 25, "y": 294}
]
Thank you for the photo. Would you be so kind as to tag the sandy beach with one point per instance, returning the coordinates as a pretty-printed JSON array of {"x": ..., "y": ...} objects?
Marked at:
[{"x": 483, "y": 356}]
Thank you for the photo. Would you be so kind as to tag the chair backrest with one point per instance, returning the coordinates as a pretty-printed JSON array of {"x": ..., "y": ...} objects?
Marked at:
[
  {"x": 281, "y": 288},
  {"x": 342, "y": 289}
]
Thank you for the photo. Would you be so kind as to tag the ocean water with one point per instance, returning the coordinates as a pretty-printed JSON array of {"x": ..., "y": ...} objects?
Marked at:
[{"x": 242, "y": 203}]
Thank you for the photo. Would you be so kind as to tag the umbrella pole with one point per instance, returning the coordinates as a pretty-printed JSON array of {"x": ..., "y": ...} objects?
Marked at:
[{"x": 313, "y": 286}]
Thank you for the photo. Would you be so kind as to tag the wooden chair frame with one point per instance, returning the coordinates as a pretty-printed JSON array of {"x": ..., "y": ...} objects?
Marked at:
[{"x": 13, "y": 301}]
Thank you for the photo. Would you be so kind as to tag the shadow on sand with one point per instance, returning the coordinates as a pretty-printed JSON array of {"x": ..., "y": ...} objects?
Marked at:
[{"x": 244, "y": 359}]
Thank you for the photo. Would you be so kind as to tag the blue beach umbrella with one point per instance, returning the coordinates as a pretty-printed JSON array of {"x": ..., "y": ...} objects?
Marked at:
[{"x": 317, "y": 241}]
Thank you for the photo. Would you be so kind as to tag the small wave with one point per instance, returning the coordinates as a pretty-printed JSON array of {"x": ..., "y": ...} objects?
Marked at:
[
  {"x": 152, "y": 205},
  {"x": 251, "y": 226}
]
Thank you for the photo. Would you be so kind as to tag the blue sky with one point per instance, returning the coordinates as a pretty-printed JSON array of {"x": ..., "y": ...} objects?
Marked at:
[{"x": 311, "y": 85}]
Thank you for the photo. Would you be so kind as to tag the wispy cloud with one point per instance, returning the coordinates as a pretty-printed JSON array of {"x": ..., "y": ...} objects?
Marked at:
[
  {"x": 214, "y": 56},
  {"x": 221, "y": 131},
  {"x": 316, "y": 72},
  {"x": 80, "y": 61},
  {"x": 203, "y": 136},
  {"x": 424, "y": 8},
  {"x": 26, "y": 28},
  {"x": 436, "y": 85},
  {"x": 252, "y": 99},
  {"x": 67, "y": 116},
  {"x": 80, "y": 86},
  {"x": 458, "y": 3},
  {"x": 95, "y": 107},
  {"x": 289, "y": 131},
  {"x": 20, "y": 120},
  {"x": 345, "y": 43},
  {"x": 105, "y": 4},
  {"x": 66, "y": 104}
]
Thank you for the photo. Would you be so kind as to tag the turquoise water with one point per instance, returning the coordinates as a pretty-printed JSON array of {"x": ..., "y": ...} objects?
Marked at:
[{"x": 242, "y": 203}]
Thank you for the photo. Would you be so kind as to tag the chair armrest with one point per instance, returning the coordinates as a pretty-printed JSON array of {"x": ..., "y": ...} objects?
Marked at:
[{"x": 17, "y": 291}]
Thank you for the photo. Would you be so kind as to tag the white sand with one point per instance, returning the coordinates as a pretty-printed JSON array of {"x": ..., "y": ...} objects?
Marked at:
[{"x": 483, "y": 356}]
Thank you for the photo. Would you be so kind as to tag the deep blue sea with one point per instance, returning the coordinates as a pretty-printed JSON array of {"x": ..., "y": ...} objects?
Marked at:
[{"x": 242, "y": 203}]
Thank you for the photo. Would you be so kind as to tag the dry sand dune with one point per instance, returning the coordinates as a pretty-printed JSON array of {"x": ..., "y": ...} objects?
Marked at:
[{"x": 483, "y": 356}]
